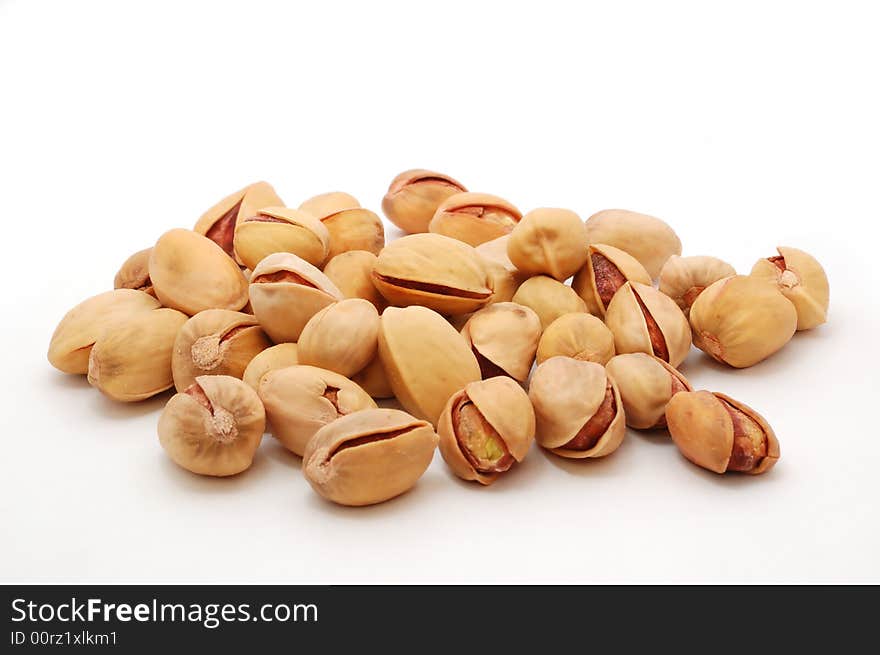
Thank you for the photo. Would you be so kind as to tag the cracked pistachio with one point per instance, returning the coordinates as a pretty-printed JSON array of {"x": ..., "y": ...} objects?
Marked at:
[
  {"x": 325, "y": 204},
  {"x": 135, "y": 273},
  {"x": 606, "y": 270},
  {"x": 505, "y": 276},
  {"x": 548, "y": 298},
  {"x": 549, "y": 241},
  {"x": 685, "y": 278},
  {"x": 413, "y": 198},
  {"x": 504, "y": 337},
  {"x": 646, "y": 238},
  {"x": 354, "y": 229},
  {"x": 218, "y": 223},
  {"x": 352, "y": 273},
  {"x": 342, "y": 337},
  {"x": 579, "y": 336},
  {"x": 474, "y": 217},
  {"x": 646, "y": 384},
  {"x": 801, "y": 279},
  {"x": 279, "y": 229},
  {"x": 280, "y": 356}
]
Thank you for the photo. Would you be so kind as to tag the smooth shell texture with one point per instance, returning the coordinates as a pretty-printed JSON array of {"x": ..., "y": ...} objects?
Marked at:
[
  {"x": 506, "y": 334},
  {"x": 342, "y": 337},
  {"x": 646, "y": 238},
  {"x": 577, "y": 335},
  {"x": 352, "y": 273},
  {"x": 218, "y": 223},
  {"x": 474, "y": 218},
  {"x": 280, "y": 356},
  {"x": 595, "y": 279},
  {"x": 549, "y": 241},
  {"x": 135, "y": 272},
  {"x": 646, "y": 384},
  {"x": 354, "y": 229},
  {"x": 505, "y": 277},
  {"x": 413, "y": 198},
  {"x": 325, "y": 204},
  {"x": 548, "y": 298},
  {"x": 685, "y": 278},
  {"x": 802, "y": 280},
  {"x": 373, "y": 379},
  {"x": 279, "y": 229}
]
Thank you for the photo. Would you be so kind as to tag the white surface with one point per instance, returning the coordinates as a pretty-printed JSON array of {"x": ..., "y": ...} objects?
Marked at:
[{"x": 744, "y": 129}]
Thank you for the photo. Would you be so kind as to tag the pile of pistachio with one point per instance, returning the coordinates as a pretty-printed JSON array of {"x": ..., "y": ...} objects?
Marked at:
[{"x": 299, "y": 320}]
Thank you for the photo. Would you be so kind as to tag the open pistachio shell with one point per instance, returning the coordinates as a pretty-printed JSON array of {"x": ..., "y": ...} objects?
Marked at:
[
  {"x": 280, "y": 356},
  {"x": 605, "y": 271},
  {"x": 342, "y": 337},
  {"x": 135, "y": 273},
  {"x": 504, "y": 337},
  {"x": 279, "y": 229},
  {"x": 218, "y": 223},
  {"x": 801, "y": 279},
  {"x": 325, "y": 204},
  {"x": 506, "y": 278},
  {"x": 549, "y": 241},
  {"x": 352, "y": 273},
  {"x": 577, "y": 335},
  {"x": 685, "y": 278},
  {"x": 548, "y": 298},
  {"x": 413, "y": 198},
  {"x": 474, "y": 217},
  {"x": 646, "y": 384},
  {"x": 646, "y": 238},
  {"x": 354, "y": 229}
]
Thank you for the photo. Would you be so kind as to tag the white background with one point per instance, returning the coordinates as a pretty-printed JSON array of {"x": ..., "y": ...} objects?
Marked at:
[{"x": 744, "y": 128}]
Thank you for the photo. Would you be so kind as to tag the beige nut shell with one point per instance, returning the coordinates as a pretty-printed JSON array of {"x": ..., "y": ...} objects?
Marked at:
[
  {"x": 474, "y": 217},
  {"x": 373, "y": 379},
  {"x": 342, "y": 337},
  {"x": 352, "y": 273},
  {"x": 291, "y": 230},
  {"x": 684, "y": 278},
  {"x": 354, "y": 229},
  {"x": 549, "y": 241},
  {"x": 280, "y": 356},
  {"x": 413, "y": 198},
  {"x": 548, "y": 298},
  {"x": 578, "y": 335},
  {"x": 135, "y": 272},
  {"x": 584, "y": 282},
  {"x": 646, "y": 384},
  {"x": 325, "y": 204},
  {"x": 645, "y": 237},
  {"x": 218, "y": 222},
  {"x": 505, "y": 276},
  {"x": 803, "y": 282},
  {"x": 506, "y": 334}
]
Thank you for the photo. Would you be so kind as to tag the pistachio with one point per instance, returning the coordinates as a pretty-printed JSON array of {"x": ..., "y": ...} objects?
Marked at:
[
  {"x": 485, "y": 428},
  {"x": 286, "y": 291},
  {"x": 504, "y": 275},
  {"x": 299, "y": 400},
  {"x": 342, "y": 337},
  {"x": 135, "y": 273},
  {"x": 504, "y": 338},
  {"x": 425, "y": 359},
  {"x": 373, "y": 379},
  {"x": 549, "y": 241},
  {"x": 325, "y": 204},
  {"x": 643, "y": 320},
  {"x": 742, "y": 320},
  {"x": 802, "y": 280},
  {"x": 352, "y": 273},
  {"x": 548, "y": 298},
  {"x": 216, "y": 342},
  {"x": 606, "y": 270},
  {"x": 191, "y": 273},
  {"x": 278, "y": 229},
  {"x": 646, "y": 384},
  {"x": 578, "y": 410},
  {"x": 721, "y": 434},
  {"x": 646, "y": 238},
  {"x": 218, "y": 223},
  {"x": 280, "y": 356},
  {"x": 369, "y": 457},
  {"x": 685, "y": 278},
  {"x": 413, "y": 198},
  {"x": 213, "y": 427},
  {"x": 474, "y": 218},
  {"x": 577, "y": 335},
  {"x": 437, "y": 272},
  {"x": 354, "y": 229}
]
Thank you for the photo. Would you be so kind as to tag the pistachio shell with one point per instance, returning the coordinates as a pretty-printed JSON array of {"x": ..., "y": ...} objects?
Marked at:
[
  {"x": 646, "y": 384},
  {"x": 373, "y": 379},
  {"x": 504, "y": 337},
  {"x": 279, "y": 229},
  {"x": 606, "y": 270},
  {"x": 505, "y": 277},
  {"x": 685, "y": 278},
  {"x": 646, "y": 238},
  {"x": 801, "y": 279},
  {"x": 352, "y": 273},
  {"x": 474, "y": 217},
  {"x": 280, "y": 356},
  {"x": 342, "y": 337},
  {"x": 325, "y": 204},
  {"x": 548, "y": 298},
  {"x": 218, "y": 223},
  {"x": 135, "y": 273},
  {"x": 577, "y": 335},
  {"x": 354, "y": 229},
  {"x": 413, "y": 198},
  {"x": 549, "y": 241}
]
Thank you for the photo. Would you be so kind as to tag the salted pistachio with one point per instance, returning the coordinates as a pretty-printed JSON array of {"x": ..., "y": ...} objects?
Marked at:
[
  {"x": 135, "y": 273},
  {"x": 644, "y": 320},
  {"x": 325, "y": 204},
  {"x": 352, "y": 273},
  {"x": 279, "y": 229},
  {"x": 506, "y": 278},
  {"x": 354, "y": 229},
  {"x": 216, "y": 342},
  {"x": 801, "y": 279},
  {"x": 685, "y": 278},
  {"x": 474, "y": 217},
  {"x": 279, "y": 356},
  {"x": 548, "y": 298},
  {"x": 578, "y": 410},
  {"x": 504, "y": 338},
  {"x": 425, "y": 359},
  {"x": 721, "y": 434},
  {"x": 213, "y": 427},
  {"x": 72, "y": 341},
  {"x": 742, "y": 320},
  {"x": 549, "y": 241},
  {"x": 606, "y": 270},
  {"x": 646, "y": 384},
  {"x": 131, "y": 360},
  {"x": 373, "y": 379},
  {"x": 299, "y": 400},
  {"x": 369, "y": 457},
  {"x": 434, "y": 271},
  {"x": 413, "y": 198},
  {"x": 579, "y": 336},
  {"x": 645, "y": 237},
  {"x": 286, "y": 291},
  {"x": 342, "y": 337},
  {"x": 191, "y": 273},
  {"x": 218, "y": 223}
]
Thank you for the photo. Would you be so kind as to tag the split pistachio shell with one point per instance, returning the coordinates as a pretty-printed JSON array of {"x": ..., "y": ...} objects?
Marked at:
[
  {"x": 325, "y": 204},
  {"x": 414, "y": 196},
  {"x": 425, "y": 359},
  {"x": 135, "y": 273},
  {"x": 352, "y": 273},
  {"x": 504, "y": 275},
  {"x": 549, "y": 241},
  {"x": 373, "y": 379},
  {"x": 280, "y": 356},
  {"x": 434, "y": 271},
  {"x": 504, "y": 337},
  {"x": 801, "y": 279},
  {"x": 685, "y": 278},
  {"x": 579, "y": 336},
  {"x": 354, "y": 229},
  {"x": 578, "y": 410},
  {"x": 474, "y": 217},
  {"x": 369, "y": 457},
  {"x": 646, "y": 384},
  {"x": 218, "y": 223},
  {"x": 605, "y": 271},
  {"x": 548, "y": 298},
  {"x": 646, "y": 238},
  {"x": 299, "y": 400},
  {"x": 721, "y": 434},
  {"x": 286, "y": 291},
  {"x": 216, "y": 342},
  {"x": 191, "y": 273},
  {"x": 742, "y": 320},
  {"x": 213, "y": 427},
  {"x": 279, "y": 229},
  {"x": 342, "y": 337},
  {"x": 643, "y": 320}
]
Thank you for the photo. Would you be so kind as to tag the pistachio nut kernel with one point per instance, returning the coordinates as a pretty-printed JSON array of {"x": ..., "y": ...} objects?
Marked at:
[
  {"x": 373, "y": 379},
  {"x": 685, "y": 278},
  {"x": 646, "y": 238},
  {"x": 286, "y": 291},
  {"x": 644, "y": 320},
  {"x": 549, "y": 241},
  {"x": 342, "y": 337},
  {"x": 213, "y": 427},
  {"x": 606, "y": 270},
  {"x": 369, "y": 457},
  {"x": 218, "y": 223},
  {"x": 504, "y": 337},
  {"x": 354, "y": 229},
  {"x": 646, "y": 385},
  {"x": 135, "y": 273},
  {"x": 505, "y": 276},
  {"x": 742, "y": 320},
  {"x": 721, "y": 434},
  {"x": 413, "y": 198},
  {"x": 299, "y": 400},
  {"x": 216, "y": 342},
  {"x": 434, "y": 271},
  {"x": 548, "y": 298},
  {"x": 325, "y": 204},
  {"x": 280, "y": 356},
  {"x": 485, "y": 428},
  {"x": 578, "y": 410},
  {"x": 191, "y": 273},
  {"x": 474, "y": 217},
  {"x": 579, "y": 336},
  {"x": 352, "y": 273},
  {"x": 801, "y": 279},
  {"x": 279, "y": 229}
]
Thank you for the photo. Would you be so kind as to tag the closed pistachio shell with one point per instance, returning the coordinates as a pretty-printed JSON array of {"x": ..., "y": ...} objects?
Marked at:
[
  {"x": 279, "y": 229},
  {"x": 685, "y": 278},
  {"x": 218, "y": 223},
  {"x": 325, "y": 204},
  {"x": 135, "y": 273},
  {"x": 605, "y": 271},
  {"x": 549, "y": 241},
  {"x": 280, "y": 356},
  {"x": 474, "y": 217},
  {"x": 504, "y": 337},
  {"x": 352, "y": 273},
  {"x": 354, "y": 229},
  {"x": 646, "y": 384},
  {"x": 645, "y": 237},
  {"x": 801, "y": 279},
  {"x": 413, "y": 198},
  {"x": 579, "y": 336},
  {"x": 342, "y": 337},
  {"x": 548, "y": 298},
  {"x": 373, "y": 379},
  {"x": 505, "y": 277}
]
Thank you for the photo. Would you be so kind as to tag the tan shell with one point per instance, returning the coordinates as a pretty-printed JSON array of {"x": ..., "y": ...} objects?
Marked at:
[
  {"x": 342, "y": 337},
  {"x": 685, "y": 278},
  {"x": 279, "y": 229},
  {"x": 373, "y": 379},
  {"x": 135, "y": 273},
  {"x": 218, "y": 439},
  {"x": 633, "y": 328},
  {"x": 474, "y": 217},
  {"x": 354, "y": 229},
  {"x": 646, "y": 384},
  {"x": 191, "y": 273},
  {"x": 504, "y": 337},
  {"x": 299, "y": 400},
  {"x": 549, "y": 241},
  {"x": 425, "y": 359},
  {"x": 413, "y": 198},
  {"x": 286, "y": 291},
  {"x": 506, "y": 408},
  {"x": 280, "y": 356},
  {"x": 505, "y": 277},
  {"x": 801, "y": 279},
  {"x": 216, "y": 342},
  {"x": 577, "y": 335},
  {"x": 369, "y": 457},
  {"x": 352, "y": 273},
  {"x": 742, "y": 320},
  {"x": 606, "y": 270},
  {"x": 548, "y": 298},
  {"x": 325, "y": 204},
  {"x": 646, "y": 238},
  {"x": 218, "y": 223}
]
